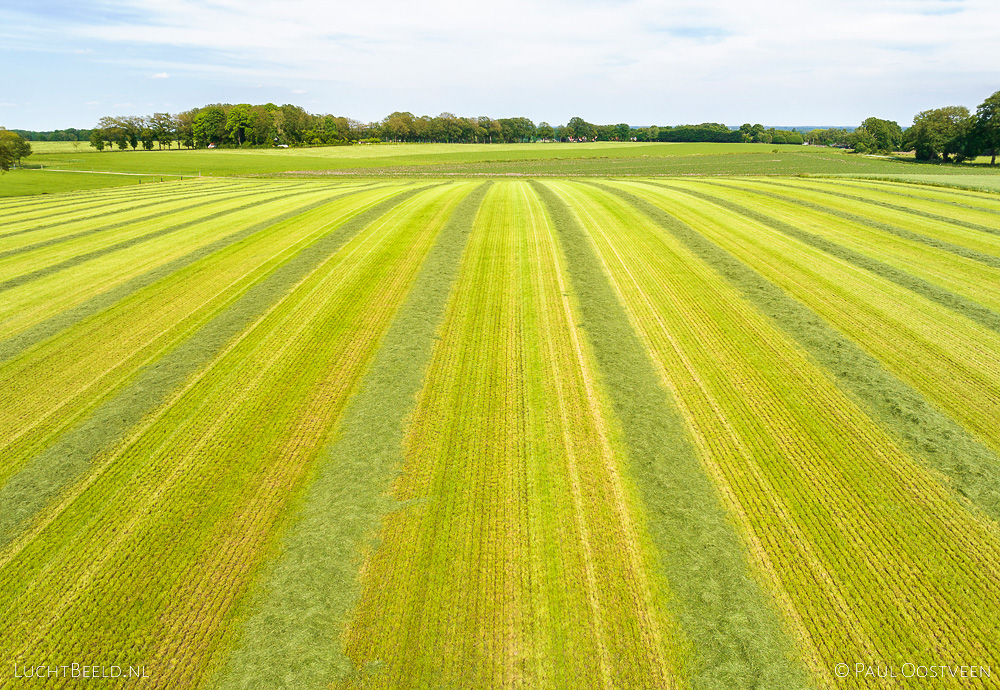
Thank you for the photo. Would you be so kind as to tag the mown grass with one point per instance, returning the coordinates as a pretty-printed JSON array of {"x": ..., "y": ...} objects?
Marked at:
[
  {"x": 909, "y": 407},
  {"x": 982, "y": 245},
  {"x": 75, "y": 427},
  {"x": 293, "y": 630},
  {"x": 185, "y": 508},
  {"x": 515, "y": 556},
  {"x": 958, "y": 269},
  {"x": 29, "y": 182},
  {"x": 44, "y": 309},
  {"x": 735, "y": 633},
  {"x": 817, "y": 485},
  {"x": 980, "y": 314},
  {"x": 428, "y": 160}
]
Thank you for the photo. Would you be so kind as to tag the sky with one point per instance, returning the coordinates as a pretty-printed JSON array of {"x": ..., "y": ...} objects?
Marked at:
[{"x": 66, "y": 63}]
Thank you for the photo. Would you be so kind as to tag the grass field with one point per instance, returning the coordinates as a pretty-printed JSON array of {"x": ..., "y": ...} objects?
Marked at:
[
  {"x": 411, "y": 431},
  {"x": 62, "y": 166}
]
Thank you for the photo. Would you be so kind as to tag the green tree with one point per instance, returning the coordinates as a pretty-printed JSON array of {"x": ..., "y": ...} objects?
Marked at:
[
  {"x": 759, "y": 135},
  {"x": 162, "y": 126},
  {"x": 97, "y": 139},
  {"x": 183, "y": 128},
  {"x": 987, "y": 127},
  {"x": 941, "y": 133},
  {"x": 578, "y": 128},
  {"x": 12, "y": 149},
  {"x": 239, "y": 123},
  {"x": 398, "y": 126},
  {"x": 878, "y": 136},
  {"x": 209, "y": 126},
  {"x": 133, "y": 127}
]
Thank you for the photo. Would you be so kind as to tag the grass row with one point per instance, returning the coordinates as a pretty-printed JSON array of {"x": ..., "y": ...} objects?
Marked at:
[
  {"x": 971, "y": 309},
  {"x": 968, "y": 273},
  {"x": 96, "y": 212},
  {"x": 979, "y": 243},
  {"x": 70, "y": 453},
  {"x": 517, "y": 555},
  {"x": 734, "y": 631},
  {"x": 972, "y": 469},
  {"x": 943, "y": 354},
  {"x": 53, "y": 305},
  {"x": 817, "y": 487},
  {"x": 87, "y": 363},
  {"x": 972, "y": 218},
  {"x": 183, "y": 511},
  {"x": 297, "y": 616},
  {"x": 38, "y": 295}
]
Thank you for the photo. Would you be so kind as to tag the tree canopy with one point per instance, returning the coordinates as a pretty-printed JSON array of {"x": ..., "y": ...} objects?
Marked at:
[
  {"x": 986, "y": 129},
  {"x": 12, "y": 149},
  {"x": 940, "y": 133}
]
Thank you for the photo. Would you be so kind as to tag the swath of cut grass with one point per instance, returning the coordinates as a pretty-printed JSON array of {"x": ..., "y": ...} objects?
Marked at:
[
  {"x": 947, "y": 357},
  {"x": 54, "y": 385},
  {"x": 517, "y": 555},
  {"x": 305, "y": 596},
  {"x": 734, "y": 630},
  {"x": 815, "y": 484},
  {"x": 184, "y": 509},
  {"x": 59, "y": 302},
  {"x": 968, "y": 273}
]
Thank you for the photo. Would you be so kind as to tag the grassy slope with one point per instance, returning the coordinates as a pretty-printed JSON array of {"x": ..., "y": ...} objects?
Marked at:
[
  {"x": 592, "y": 159},
  {"x": 814, "y": 482},
  {"x": 27, "y": 182}
]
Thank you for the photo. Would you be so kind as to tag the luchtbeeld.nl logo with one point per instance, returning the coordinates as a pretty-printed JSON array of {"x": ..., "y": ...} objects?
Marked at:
[{"x": 79, "y": 671}]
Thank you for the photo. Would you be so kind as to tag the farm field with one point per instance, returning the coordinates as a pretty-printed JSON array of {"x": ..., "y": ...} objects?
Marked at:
[
  {"x": 64, "y": 166},
  {"x": 709, "y": 431}
]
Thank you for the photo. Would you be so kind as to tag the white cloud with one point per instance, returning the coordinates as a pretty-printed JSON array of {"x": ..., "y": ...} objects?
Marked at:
[
  {"x": 160, "y": 75},
  {"x": 665, "y": 60}
]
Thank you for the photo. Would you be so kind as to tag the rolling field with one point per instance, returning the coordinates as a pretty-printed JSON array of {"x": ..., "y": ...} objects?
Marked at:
[{"x": 420, "y": 432}]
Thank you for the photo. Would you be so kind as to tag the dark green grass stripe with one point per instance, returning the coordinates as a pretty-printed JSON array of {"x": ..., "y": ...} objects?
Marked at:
[
  {"x": 834, "y": 182},
  {"x": 976, "y": 312},
  {"x": 198, "y": 202},
  {"x": 926, "y": 433},
  {"x": 115, "y": 211},
  {"x": 737, "y": 634},
  {"x": 902, "y": 233},
  {"x": 12, "y": 347},
  {"x": 897, "y": 207},
  {"x": 69, "y": 458},
  {"x": 291, "y": 637},
  {"x": 132, "y": 242}
]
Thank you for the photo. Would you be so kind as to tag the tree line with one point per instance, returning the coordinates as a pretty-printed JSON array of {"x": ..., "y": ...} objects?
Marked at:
[
  {"x": 227, "y": 125},
  {"x": 948, "y": 134},
  {"x": 951, "y": 133}
]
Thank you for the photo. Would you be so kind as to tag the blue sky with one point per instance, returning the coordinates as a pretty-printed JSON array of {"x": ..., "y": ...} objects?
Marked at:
[{"x": 784, "y": 62}]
